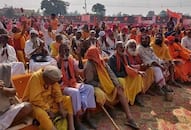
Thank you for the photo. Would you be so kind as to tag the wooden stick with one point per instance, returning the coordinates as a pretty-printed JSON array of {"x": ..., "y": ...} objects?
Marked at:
[{"x": 111, "y": 119}]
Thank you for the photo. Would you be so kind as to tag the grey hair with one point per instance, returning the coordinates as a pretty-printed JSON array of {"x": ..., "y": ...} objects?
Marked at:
[{"x": 130, "y": 42}]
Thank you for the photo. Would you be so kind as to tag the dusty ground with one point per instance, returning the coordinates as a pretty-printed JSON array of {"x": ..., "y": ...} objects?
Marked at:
[{"x": 157, "y": 114}]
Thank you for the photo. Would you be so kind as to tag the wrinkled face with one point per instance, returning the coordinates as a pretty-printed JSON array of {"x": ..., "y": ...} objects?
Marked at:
[
  {"x": 145, "y": 40},
  {"x": 120, "y": 49},
  {"x": 131, "y": 49},
  {"x": 64, "y": 51},
  {"x": 132, "y": 46}
]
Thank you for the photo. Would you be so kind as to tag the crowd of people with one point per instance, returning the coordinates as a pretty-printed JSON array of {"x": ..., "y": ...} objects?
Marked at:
[{"x": 76, "y": 68}]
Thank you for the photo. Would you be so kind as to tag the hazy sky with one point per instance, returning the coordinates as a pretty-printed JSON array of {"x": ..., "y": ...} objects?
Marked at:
[{"x": 112, "y": 6}]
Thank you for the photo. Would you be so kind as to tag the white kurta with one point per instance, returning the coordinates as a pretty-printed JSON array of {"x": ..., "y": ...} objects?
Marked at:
[
  {"x": 33, "y": 66},
  {"x": 83, "y": 96},
  {"x": 16, "y": 67},
  {"x": 148, "y": 56}
]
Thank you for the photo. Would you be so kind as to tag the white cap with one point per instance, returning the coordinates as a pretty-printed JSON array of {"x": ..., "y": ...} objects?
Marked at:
[
  {"x": 102, "y": 33},
  {"x": 33, "y": 31}
]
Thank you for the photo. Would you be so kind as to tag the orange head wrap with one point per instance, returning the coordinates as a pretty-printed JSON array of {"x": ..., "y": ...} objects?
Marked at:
[{"x": 94, "y": 55}]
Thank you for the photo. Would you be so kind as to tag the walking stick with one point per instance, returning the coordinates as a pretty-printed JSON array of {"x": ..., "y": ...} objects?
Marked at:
[{"x": 111, "y": 119}]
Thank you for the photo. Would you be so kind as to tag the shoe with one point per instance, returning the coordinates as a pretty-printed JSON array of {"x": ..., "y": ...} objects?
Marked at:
[{"x": 132, "y": 124}]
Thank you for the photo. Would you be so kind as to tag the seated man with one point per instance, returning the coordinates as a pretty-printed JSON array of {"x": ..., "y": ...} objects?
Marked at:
[
  {"x": 37, "y": 52},
  {"x": 106, "y": 86},
  {"x": 82, "y": 95},
  {"x": 10, "y": 114},
  {"x": 45, "y": 95},
  {"x": 149, "y": 58},
  {"x": 136, "y": 62},
  {"x": 177, "y": 51},
  {"x": 8, "y": 55},
  {"x": 129, "y": 78},
  {"x": 161, "y": 50}
]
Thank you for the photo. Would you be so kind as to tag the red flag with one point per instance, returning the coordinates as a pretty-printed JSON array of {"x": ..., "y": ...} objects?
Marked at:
[{"x": 173, "y": 14}]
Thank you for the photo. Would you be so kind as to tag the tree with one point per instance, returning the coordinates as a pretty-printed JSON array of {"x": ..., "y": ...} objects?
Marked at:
[
  {"x": 57, "y": 7},
  {"x": 10, "y": 12},
  {"x": 163, "y": 13},
  {"x": 151, "y": 14},
  {"x": 99, "y": 9}
]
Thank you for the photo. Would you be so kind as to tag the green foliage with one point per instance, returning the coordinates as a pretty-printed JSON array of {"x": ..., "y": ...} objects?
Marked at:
[
  {"x": 151, "y": 13},
  {"x": 99, "y": 9},
  {"x": 10, "y": 12},
  {"x": 57, "y": 7},
  {"x": 163, "y": 13}
]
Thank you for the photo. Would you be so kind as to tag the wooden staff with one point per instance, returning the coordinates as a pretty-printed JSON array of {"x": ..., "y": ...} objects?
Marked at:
[{"x": 111, "y": 119}]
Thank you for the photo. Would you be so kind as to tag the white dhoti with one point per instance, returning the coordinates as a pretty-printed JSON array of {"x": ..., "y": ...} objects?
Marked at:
[
  {"x": 82, "y": 97},
  {"x": 8, "y": 117},
  {"x": 17, "y": 68},
  {"x": 159, "y": 77},
  {"x": 34, "y": 66}
]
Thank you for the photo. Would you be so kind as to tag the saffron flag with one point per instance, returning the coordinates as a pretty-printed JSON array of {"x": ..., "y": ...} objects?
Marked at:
[{"x": 173, "y": 14}]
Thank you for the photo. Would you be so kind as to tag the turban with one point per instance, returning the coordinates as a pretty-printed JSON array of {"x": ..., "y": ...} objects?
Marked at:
[
  {"x": 94, "y": 55},
  {"x": 170, "y": 38},
  {"x": 93, "y": 31},
  {"x": 53, "y": 73},
  {"x": 33, "y": 31}
]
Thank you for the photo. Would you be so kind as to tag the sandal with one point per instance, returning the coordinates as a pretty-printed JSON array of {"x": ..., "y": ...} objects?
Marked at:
[{"x": 132, "y": 124}]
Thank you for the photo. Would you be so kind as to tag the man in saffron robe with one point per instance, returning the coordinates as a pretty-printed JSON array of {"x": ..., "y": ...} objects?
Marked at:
[
  {"x": 82, "y": 95},
  {"x": 136, "y": 62},
  {"x": 106, "y": 86},
  {"x": 19, "y": 42},
  {"x": 129, "y": 78},
  {"x": 161, "y": 50},
  {"x": 149, "y": 58},
  {"x": 183, "y": 71},
  {"x": 45, "y": 95}
]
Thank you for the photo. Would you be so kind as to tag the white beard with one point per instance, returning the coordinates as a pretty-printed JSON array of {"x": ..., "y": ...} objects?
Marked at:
[{"x": 131, "y": 52}]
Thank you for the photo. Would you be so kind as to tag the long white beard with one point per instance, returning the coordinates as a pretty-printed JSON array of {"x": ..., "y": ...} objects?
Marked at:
[{"x": 132, "y": 52}]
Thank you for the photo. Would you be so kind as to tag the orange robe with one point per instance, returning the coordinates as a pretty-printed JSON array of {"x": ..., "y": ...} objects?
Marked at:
[
  {"x": 165, "y": 53},
  {"x": 178, "y": 52}
]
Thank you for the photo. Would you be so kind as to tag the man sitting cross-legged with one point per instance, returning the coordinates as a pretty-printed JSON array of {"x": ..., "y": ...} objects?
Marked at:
[
  {"x": 82, "y": 95},
  {"x": 106, "y": 86}
]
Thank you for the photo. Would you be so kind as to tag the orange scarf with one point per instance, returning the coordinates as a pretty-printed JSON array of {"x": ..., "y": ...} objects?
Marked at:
[
  {"x": 93, "y": 54},
  {"x": 71, "y": 82},
  {"x": 129, "y": 70},
  {"x": 105, "y": 81}
]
